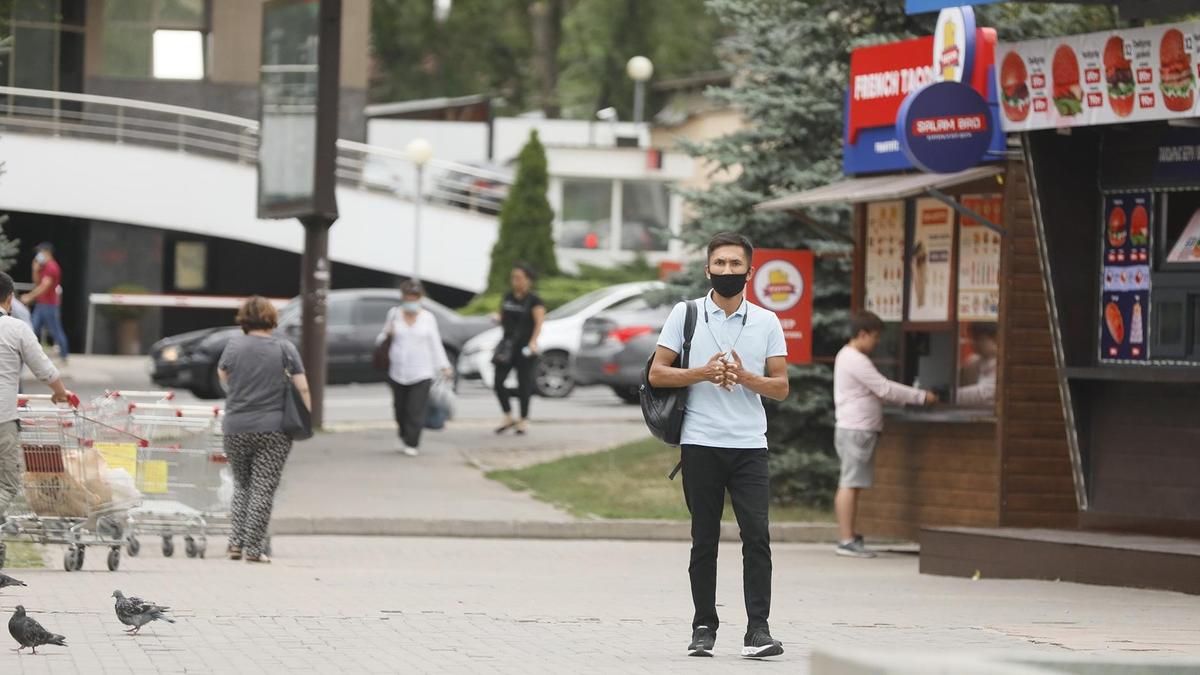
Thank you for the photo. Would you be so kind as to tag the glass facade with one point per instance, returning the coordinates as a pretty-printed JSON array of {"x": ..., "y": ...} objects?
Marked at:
[
  {"x": 161, "y": 39},
  {"x": 41, "y": 47}
]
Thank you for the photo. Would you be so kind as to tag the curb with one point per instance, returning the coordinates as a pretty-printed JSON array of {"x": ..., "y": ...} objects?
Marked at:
[{"x": 638, "y": 530}]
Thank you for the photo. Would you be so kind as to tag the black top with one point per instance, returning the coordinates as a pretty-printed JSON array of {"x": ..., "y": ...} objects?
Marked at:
[{"x": 516, "y": 316}]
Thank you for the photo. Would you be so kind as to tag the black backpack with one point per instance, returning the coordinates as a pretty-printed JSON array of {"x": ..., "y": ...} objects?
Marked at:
[{"x": 663, "y": 408}]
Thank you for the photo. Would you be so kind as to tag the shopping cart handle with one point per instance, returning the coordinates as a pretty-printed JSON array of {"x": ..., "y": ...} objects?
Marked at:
[{"x": 73, "y": 399}]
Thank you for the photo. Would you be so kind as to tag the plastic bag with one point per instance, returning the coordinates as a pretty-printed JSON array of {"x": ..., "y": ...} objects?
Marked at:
[
  {"x": 441, "y": 403},
  {"x": 124, "y": 487}
]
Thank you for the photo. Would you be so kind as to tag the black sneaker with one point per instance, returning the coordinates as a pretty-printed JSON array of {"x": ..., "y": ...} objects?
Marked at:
[
  {"x": 760, "y": 644},
  {"x": 703, "y": 639}
]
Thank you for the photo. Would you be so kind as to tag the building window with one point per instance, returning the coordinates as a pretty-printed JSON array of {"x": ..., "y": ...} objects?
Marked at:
[
  {"x": 586, "y": 214},
  {"x": 645, "y": 210},
  {"x": 178, "y": 54},
  {"x": 41, "y": 46},
  {"x": 162, "y": 39},
  {"x": 191, "y": 265}
]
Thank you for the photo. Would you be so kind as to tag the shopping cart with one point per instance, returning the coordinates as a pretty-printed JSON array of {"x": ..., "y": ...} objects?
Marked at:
[
  {"x": 183, "y": 475},
  {"x": 70, "y": 495}
]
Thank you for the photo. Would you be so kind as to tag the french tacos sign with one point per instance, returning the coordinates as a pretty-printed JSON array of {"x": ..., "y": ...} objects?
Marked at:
[{"x": 1128, "y": 75}]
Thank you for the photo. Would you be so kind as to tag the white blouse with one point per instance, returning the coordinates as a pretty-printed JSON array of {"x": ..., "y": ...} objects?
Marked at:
[{"x": 417, "y": 352}]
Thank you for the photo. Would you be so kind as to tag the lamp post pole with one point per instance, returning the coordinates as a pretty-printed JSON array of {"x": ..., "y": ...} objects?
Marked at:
[
  {"x": 419, "y": 153},
  {"x": 639, "y": 69}
]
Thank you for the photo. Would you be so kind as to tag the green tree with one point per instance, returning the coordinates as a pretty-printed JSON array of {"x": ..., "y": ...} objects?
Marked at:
[{"x": 526, "y": 220}]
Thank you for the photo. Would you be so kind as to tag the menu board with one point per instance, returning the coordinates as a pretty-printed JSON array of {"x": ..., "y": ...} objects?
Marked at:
[
  {"x": 1187, "y": 248},
  {"x": 885, "y": 260},
  {"x": 1129, "y": 75},
  {"x": 1125, "y": 301},
  {"x": 979, "y": 259},
  {"x": 929, "y": 262}
]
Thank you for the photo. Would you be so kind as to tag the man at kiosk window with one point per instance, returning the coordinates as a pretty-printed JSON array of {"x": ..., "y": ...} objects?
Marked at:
[{"x": 738, "y": 355}]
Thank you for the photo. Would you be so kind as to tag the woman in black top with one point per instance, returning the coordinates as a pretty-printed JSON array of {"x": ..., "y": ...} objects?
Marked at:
[{"x": 521, "y": 315}]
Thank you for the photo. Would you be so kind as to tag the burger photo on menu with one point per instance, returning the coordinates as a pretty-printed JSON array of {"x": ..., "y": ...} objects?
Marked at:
[
  {"x": 1015, "y": 91},
  {"x": 1139, "y": 226},
  {"x": 1119, "y": 72},
  {"x": 1117, "y": 232},
  {"x": 1176, "y": 77},
  {"x": 1068, "y": 95}
]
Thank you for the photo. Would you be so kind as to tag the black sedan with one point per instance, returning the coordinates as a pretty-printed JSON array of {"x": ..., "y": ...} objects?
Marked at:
[
  {"x": 615, "y": 348},
  {"x": 354, "y": 319}
]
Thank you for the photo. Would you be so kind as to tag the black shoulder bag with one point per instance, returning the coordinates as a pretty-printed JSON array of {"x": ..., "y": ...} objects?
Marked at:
[
  {"x": 297, "y": 420},
  {"x": 663, "y": 408}
]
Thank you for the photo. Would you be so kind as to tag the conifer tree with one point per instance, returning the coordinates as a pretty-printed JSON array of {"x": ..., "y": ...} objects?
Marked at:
[{"x": 526, "y": 220}]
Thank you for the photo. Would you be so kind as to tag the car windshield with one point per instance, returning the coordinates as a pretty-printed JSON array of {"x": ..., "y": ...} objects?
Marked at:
[{"x": 579, "y": 304}]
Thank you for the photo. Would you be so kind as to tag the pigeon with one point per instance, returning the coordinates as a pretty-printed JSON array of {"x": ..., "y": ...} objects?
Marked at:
[
  {"x": 29, "y": 633},
  {"x": 137, "y": 612},
  {"x": 6, "y": 581}
]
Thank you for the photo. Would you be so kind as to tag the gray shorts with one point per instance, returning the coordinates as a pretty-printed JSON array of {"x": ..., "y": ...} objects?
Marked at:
[{"x": 856, "y": 449}]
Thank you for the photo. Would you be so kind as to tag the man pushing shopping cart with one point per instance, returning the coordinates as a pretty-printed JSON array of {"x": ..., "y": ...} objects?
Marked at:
[{"x": 18, "y": 348}]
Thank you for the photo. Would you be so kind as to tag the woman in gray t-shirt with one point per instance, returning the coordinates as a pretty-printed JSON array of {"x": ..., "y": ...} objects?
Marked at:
[{"x": 253, "y": 369}]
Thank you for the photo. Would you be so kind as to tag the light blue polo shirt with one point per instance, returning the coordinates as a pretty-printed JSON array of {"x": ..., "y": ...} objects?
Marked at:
[{"x": 715, "y": 417}]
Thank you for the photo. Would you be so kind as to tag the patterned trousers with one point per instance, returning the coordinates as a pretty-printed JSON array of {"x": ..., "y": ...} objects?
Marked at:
[{"x": 257, "y": 460}]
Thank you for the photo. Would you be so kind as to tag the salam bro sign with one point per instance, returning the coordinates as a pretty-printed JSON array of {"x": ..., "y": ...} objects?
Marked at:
[
  {"x": 945, "y": 128},
  {"x": 930, "y": 126}
]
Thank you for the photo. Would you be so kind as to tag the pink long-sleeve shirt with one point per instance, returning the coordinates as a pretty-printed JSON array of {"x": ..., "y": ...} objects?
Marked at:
[{"x": 859, "y": 391}]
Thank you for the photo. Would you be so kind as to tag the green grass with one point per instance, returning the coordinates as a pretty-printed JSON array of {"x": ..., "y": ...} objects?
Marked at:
[
  {"x": 23, "y": 555},
  {"x": 629, "y": 481}
]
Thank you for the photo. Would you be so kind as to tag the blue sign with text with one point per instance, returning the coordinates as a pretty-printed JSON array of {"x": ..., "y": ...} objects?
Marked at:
[
  {"x": 945, "y": 128},
  {"x": 922, "y": 6}
]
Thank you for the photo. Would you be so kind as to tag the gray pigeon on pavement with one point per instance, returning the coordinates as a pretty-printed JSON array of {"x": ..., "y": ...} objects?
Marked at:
[
  {"x": 29, "y": 633},
  {"x": 137, "y": 612},
  {"x": 6, "y": 581}
]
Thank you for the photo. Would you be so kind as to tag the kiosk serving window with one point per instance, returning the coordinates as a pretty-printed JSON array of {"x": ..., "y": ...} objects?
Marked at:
[{"x": 933, "y": 277}]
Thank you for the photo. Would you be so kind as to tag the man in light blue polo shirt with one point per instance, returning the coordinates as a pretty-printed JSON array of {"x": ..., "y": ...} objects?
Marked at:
[{"x": 738, "y": 355}]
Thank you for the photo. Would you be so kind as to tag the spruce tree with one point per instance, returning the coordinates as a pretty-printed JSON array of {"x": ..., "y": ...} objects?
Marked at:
[{"x": 526, "y": 220}]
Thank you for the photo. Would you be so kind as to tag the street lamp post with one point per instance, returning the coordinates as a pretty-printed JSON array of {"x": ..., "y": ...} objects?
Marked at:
[
  {"x": 639, "y": 69},
  {"x": 419, "y": 152}
]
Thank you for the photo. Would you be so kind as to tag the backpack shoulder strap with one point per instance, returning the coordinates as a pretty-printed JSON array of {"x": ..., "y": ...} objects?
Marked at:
[{"x": 689, "y": 329}]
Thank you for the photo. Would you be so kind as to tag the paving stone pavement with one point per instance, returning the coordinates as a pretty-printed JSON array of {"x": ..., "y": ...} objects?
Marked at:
[{"x": 412, "y": 605}]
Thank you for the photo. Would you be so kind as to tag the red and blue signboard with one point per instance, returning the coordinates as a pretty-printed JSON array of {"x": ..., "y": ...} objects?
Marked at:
[{"x": 882, "y": 77}]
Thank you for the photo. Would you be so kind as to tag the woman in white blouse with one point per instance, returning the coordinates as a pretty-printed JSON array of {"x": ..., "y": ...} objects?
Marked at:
[{"x": 416, "y": 355}]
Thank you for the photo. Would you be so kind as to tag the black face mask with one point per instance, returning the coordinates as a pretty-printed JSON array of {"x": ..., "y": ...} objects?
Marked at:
[{"x": 728, "y": 285}]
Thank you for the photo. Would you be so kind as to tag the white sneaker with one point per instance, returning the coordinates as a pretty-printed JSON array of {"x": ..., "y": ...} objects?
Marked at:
[{"x": 410, "y": 452}]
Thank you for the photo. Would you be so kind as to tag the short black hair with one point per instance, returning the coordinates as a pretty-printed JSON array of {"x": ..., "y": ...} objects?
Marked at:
[
  {"x": 865, "y": 322},
  {"x": 6, "y": 286},
  {"x": 730, "y": 239},
  {"x": 412, "y": 287},
  {"x": 45, "y": 246},
  {"x": 527, "y": 269}
]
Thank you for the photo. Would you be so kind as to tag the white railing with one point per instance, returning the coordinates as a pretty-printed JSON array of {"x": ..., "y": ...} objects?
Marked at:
[{"x": 172, "y": 127}]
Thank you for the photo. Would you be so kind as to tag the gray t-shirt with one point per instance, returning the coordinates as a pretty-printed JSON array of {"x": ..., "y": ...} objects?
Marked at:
[{"x": 256, "y": 383}]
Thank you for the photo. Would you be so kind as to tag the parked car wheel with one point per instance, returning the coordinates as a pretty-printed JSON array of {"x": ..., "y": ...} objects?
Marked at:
[
  {"x": 553, "y": 378},
  {"x": 627, "y": 394}
]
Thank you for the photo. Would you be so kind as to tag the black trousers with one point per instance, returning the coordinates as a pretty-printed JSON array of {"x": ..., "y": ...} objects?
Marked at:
[
  {"x": 707, "y": 474},
  {"x": 409, "y": 402},
  {"x": 525, "y": 366}
]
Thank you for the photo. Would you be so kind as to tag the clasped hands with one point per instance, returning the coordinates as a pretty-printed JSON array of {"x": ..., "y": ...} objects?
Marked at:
[{"x": 725, "y": 372}]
